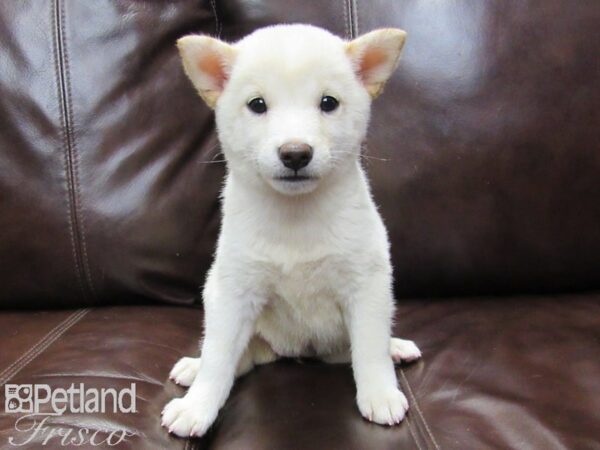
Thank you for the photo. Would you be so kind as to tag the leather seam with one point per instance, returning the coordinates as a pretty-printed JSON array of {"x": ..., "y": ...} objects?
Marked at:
[
  {"x": 346, "y": 20},
  {"x": 418, "y": 409},
  {"x": 218, "y": 25},
  {"x": 70, "y": 151},
  {"x": 41, "y": 345},
  {"x": 412, "y": 433},
  {"x": 350, "y": 18},
  {"x": 58, "y": 79},
  {"x": 355, "y": 22},
  {"x": 80, "y": 220}
]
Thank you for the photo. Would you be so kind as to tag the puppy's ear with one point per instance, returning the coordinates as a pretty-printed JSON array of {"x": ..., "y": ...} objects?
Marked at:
[
  {"x": 207, "y": 62},
  {"x": 375, "y": 55}
]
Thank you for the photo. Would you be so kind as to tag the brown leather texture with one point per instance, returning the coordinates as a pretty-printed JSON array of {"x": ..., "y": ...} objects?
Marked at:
[
  {"x": 483, "y": 150},
  {"x": 102, "y": 348},
  {"x": 484, "y": 157},
  {"x": 490, "y": 132},
  {"x": 521, "y": 373},
  {"x": 108, "y": 193}
]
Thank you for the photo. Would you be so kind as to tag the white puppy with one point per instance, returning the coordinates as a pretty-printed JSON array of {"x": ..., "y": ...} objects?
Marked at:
[{"x": 302, "y": 266}]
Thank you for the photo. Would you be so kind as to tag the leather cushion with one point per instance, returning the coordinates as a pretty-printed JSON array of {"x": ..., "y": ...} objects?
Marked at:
[{"x": 496, "y": 373}]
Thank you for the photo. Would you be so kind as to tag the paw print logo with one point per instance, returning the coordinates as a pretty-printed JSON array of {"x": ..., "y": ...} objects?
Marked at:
[{"x": 19, "y": 398}]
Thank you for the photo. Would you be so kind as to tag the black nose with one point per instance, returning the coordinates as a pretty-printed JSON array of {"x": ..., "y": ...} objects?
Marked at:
[{"x": 295, "y": 155}]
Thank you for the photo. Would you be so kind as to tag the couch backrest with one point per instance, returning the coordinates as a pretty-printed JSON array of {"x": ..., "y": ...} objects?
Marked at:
[{"x": 483, "y": 151}]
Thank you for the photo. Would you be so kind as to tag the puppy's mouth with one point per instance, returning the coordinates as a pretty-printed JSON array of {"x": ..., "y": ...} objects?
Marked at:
[
  {"x": 294, "y": 178},
  {"x": 294, "y": 183}
]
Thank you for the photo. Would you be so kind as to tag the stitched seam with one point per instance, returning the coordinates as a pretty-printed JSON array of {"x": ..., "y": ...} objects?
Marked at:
[
  {"x": 75, "y": 157},
  {"x": 350, "y": 15},
  {"x": 218, "y": 25},
  {"x": 50, "y": 337},
  {"x": 413, "y": 434},
  {"x": 355, "y": 9},
  {"x": 58, "y": 78},
  {"x": 414, "y": 400},
  {"x": 346, "y": 30},
  {"x": 41, "y": 345}
]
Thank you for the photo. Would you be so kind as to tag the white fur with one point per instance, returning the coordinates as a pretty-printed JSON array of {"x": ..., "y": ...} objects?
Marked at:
[{"x": 301, "y": 268}]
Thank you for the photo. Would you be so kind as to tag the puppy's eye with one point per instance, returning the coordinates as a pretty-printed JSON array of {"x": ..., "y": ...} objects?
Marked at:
[
  {"x": 257, "y": 105},
  {"x": 328, "y": 103}
]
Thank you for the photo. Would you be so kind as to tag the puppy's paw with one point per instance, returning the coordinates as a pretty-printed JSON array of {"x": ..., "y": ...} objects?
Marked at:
[
  {"x": 184, "y": 371},
  {"x": 383, "y": 406},
  {"x": 185, "y": 417},
  {"x": 404, "y": 350}
]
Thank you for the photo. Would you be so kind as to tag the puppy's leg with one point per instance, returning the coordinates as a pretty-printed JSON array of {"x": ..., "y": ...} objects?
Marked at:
[
  {"x": 229, "y": 321},
  {"x": 257, "y": 353},
  {"x": 404, "y": 350},
  {"x": 184, "y": 371},
  {"x": 369, "y": 315}
]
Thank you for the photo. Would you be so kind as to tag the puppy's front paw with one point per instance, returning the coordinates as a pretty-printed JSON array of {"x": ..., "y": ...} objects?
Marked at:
[
  {"x": 404, "y": 350},
  {"x": 185, "y": 417},
  {"x": 383, "y": 406},
  {"x": 184, "y": 371}
]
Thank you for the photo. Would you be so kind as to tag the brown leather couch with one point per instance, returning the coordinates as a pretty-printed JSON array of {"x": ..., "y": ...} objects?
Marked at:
[{"x": 484, "y": 155}]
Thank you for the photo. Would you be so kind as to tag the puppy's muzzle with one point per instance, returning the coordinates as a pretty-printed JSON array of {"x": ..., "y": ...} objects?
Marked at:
[{"x": 295, "y": 155}]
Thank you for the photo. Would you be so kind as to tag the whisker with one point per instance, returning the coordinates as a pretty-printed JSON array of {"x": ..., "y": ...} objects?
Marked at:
[
  {"x": 375, "y": 158},
  {"x": 212, "y": 162},
  {"x": 216, "y": 154},
  {"x": 362, "y": 155},
  {"x": 364, "y": 150}
]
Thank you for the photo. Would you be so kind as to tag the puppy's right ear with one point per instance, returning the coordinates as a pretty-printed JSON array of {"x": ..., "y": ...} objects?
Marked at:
[{"x": 207, "y": 62}]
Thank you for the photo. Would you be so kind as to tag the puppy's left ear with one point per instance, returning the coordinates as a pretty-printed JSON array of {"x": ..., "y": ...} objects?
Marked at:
[
  {"x": 375, "y": 55},
  {"x": 207, "y": 62}
]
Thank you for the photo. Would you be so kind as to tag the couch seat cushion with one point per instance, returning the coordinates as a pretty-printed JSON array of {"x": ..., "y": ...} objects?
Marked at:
[{"x": 519, "y": 372}]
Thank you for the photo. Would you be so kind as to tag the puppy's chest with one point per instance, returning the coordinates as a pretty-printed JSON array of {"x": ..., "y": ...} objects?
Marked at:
[
  {"x": 299, "y": 283},
  {"x": 303, "y": 313},
  {"x": 310, "y": 292}
]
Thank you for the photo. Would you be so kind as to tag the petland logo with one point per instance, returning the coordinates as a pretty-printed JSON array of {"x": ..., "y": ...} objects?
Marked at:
[
  {"x": 34, "y": 398},
  {"x": 39, "y": 403}
]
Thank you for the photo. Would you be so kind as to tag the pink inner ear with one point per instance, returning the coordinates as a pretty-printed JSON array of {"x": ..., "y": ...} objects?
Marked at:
[
  {"x": 371, "y": 59},
  {"x": 212, "y": 66}
]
